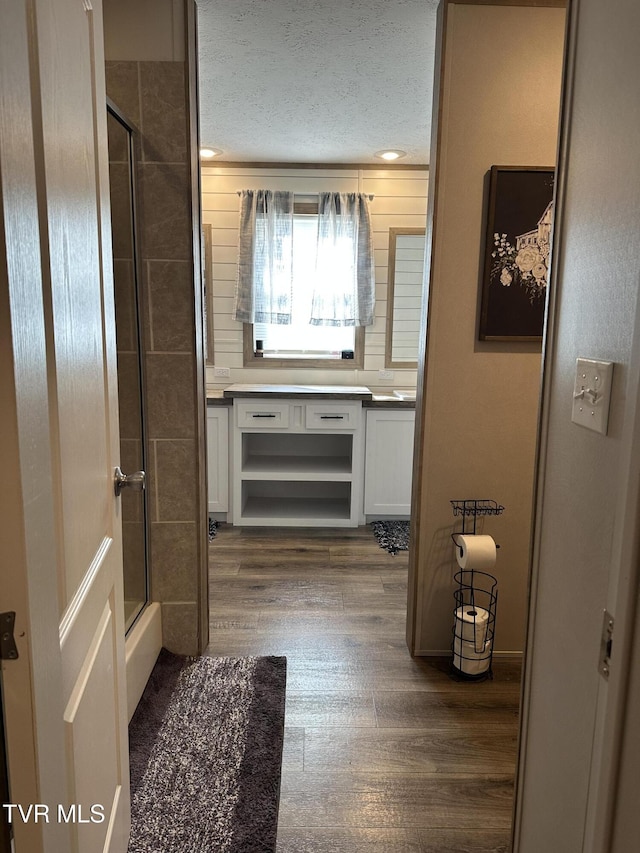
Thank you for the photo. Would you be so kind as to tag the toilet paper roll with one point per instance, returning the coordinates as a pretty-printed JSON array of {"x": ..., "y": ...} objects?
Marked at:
[
  {"x": 476, "y": 551},
  {"x": 468, "y": 660},
  {"x": 471, "y": 624}
]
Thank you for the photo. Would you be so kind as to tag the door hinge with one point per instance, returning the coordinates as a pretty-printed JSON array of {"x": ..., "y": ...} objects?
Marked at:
[
  {"x": 606, "y": 643},
  {"x": 8, "y": 648}
]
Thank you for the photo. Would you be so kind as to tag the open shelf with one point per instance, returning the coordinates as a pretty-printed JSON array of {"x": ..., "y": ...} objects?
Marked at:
[
  {"x": 295, "y": 467},
  {"x": 286, "y": 509},
  {"x": 286, "y": 456},
  {"x": 291, "y": 499}
]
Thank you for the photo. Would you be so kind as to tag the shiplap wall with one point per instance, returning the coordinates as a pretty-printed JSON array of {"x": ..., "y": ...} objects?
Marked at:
[{"x": 400, "y": 201}]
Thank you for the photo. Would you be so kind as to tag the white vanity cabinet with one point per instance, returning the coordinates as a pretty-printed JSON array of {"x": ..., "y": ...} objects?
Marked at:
[
  {"x": 218, "y": 458},
  {"x": 388, "y": 462},
  {"x": 297, "y": 463}
]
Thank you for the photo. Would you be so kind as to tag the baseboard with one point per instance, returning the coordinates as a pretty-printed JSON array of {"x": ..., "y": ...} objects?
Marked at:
[
  {"x": 378, "y": 517},
  {"x": 142, "y": 648},
  {"x": 431, "y": 653},
  {"x": 222, "y": 517}
]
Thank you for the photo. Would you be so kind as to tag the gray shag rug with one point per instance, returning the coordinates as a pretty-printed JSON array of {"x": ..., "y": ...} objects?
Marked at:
[
  {"x": 205, "y": 749},
  {"x": 393, "y": 536}
]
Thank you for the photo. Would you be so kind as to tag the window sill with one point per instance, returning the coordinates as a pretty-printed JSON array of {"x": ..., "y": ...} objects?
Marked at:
[
  {"x": 297, "y": 363},
  {"x": 250, "y": 360}
]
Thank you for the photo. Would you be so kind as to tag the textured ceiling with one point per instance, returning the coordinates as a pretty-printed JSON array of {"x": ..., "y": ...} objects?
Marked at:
[{"x": 329, "y": 81}]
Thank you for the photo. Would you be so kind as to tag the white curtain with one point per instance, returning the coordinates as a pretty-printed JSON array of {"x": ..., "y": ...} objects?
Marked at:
[
  {"x": 265, "y": 257},
  {"x": 344, "y": 288}
]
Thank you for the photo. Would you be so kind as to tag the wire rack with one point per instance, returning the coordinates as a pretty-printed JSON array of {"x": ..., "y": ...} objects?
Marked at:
[
  {"x": 474, "y": 624},
  {"x": 472, "y": 508},
  {"x": 476, "y": 600}
]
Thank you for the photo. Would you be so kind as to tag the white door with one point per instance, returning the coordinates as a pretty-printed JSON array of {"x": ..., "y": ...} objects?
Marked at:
[{"x": 60, "y": 549}]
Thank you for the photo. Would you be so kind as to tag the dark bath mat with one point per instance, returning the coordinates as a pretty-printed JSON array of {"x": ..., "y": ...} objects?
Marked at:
[
  {"x": 213, "y": 527},
  {"x": 393, "y": 536},
  {"x": 206, "y": 752}
]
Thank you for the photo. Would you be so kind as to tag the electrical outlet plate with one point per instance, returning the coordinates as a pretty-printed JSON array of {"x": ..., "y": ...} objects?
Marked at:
[
  {"x": 592, "y": 394},
  {"x": 385, "y": 374},
  {"x": 222, "y": 372}
]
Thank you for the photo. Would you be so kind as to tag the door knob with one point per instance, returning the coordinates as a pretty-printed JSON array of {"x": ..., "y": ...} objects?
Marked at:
[{"x": 134, "y": 481}]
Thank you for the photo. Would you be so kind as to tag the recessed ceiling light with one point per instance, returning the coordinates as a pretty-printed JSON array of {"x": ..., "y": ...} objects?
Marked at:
[
  {"x": 209, "y": 153},
  {"x": 390, "y": 154}
]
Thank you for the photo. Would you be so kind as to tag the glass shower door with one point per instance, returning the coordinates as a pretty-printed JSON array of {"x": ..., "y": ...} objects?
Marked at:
[{"x": 130, "y": 362}]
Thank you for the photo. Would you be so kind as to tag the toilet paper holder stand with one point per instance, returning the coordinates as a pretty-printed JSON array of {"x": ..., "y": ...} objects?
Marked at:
[{"x": 475, "y": 589}]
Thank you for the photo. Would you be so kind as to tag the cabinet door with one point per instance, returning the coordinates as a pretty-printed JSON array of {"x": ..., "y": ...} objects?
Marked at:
[
  {"x": 388, "y": 461},
  {"x": 218, "y": 458}
]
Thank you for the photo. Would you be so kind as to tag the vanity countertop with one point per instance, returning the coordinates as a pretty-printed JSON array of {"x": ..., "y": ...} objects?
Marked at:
[
  {"x": 385, "y": 401},
  {"x": 225, "y": 397},
  {"x": 300, "y": 392},
  {"x": 215, "y": 397}
]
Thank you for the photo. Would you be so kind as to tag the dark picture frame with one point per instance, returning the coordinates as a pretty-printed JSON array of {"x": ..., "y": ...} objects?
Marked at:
[{"x": 516, "y": 256}]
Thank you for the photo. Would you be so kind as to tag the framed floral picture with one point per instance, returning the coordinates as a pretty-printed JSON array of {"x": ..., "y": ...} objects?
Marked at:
[{"x": 516, "y": 264}]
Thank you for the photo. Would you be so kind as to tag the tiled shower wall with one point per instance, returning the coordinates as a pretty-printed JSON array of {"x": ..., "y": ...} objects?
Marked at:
[{"x": 154, "y": 97}]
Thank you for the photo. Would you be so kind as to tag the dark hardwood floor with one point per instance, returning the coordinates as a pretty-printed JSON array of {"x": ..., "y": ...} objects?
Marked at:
[{"x": 383, "y": 753}]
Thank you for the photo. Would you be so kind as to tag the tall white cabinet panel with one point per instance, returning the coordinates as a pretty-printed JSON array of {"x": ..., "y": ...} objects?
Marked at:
[
  {"x": 218, "y": 458},
  {"x": 388, "y": 461}
]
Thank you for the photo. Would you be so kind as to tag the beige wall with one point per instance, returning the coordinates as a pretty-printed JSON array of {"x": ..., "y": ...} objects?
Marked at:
[
  {"x": 156, "y": 98},
  {"x": 400, "y": 200},
  {"x": 499, "y": 106}
]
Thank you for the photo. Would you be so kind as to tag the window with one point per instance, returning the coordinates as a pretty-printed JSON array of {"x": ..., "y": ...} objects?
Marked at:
[
  {"x": 299, "y": 339},
  {"x": 305, "y": 279}
]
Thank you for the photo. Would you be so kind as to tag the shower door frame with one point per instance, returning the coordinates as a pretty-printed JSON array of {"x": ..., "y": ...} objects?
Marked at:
[{"x": 133, "y": 137}]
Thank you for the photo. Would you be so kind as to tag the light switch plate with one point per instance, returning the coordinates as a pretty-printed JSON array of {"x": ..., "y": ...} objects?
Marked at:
[{"x": 592, "y": 394}]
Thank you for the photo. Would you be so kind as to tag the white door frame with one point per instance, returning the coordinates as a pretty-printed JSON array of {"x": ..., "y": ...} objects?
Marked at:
[
  {"x": 26, "y": 499},
  {"x": 616, "y": 719}
]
